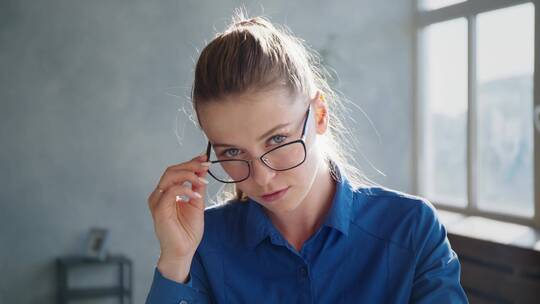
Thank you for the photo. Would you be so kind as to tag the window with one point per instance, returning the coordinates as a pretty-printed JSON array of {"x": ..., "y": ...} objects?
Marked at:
[
  {"x": 435, "y": 4},
  {"x": 446, "y": 112},
  {"x": 475, "y": 108}
]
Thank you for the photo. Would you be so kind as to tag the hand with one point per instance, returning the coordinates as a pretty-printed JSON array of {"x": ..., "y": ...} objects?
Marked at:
[{"x": 179, "y": 224}]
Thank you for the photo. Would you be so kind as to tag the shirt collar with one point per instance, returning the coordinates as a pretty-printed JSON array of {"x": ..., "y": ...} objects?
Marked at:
[
  {"x": 338, "y": 216},
  {"x": 258, "y": 225}
]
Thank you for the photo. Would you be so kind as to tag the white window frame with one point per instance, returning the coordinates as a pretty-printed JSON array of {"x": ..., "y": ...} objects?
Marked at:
[{"x": 469, "y": 10}]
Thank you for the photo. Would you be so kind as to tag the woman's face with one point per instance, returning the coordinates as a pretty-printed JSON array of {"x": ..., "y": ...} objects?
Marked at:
[{"x": 248, "y": 125}]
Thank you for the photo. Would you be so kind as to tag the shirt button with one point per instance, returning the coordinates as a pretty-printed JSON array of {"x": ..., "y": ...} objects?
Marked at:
[
  {"x": 303, "y": 272},
  {"x": 183, "y": 302}
]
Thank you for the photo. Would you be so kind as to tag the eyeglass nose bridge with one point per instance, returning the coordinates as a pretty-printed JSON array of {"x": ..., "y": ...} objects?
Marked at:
[
  {"x": 266, "y": 163},
  {"x": 264, "y": 159}
]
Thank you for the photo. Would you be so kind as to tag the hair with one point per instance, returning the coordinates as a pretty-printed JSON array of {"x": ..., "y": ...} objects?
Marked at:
[{"x": 252, "y": 54}]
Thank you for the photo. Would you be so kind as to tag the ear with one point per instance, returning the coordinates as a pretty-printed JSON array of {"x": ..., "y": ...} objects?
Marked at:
[{"x": 321, "y": 112}]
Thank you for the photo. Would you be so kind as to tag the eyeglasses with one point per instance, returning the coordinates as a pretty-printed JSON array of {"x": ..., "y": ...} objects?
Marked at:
[{"x": 280, "y": 158}]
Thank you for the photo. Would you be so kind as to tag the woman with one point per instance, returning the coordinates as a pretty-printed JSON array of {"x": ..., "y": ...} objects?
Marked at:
[{"x": 302, "y": 227}]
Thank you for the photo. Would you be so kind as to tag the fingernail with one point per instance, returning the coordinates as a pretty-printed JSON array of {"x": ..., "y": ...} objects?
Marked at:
[
  {"x": 206, "y": 164},
  {"x": 182, "y": 198},
  {"x": 203, "y": 180},
  {"x": 197, "y": 194}
]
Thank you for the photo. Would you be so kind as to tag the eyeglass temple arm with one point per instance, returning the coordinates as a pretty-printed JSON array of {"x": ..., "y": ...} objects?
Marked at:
[
  {"x": 208, "y": 149},
  {"x": 305, "y": 123}
]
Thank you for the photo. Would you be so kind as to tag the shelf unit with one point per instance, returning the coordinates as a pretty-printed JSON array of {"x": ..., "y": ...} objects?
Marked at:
[{"x": 123, "y": 291}]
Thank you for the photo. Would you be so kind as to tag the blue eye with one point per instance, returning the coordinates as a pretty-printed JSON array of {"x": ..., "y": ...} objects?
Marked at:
[
  {"x": 278, "y": 139},
  {"x": 230, "y": 152}
]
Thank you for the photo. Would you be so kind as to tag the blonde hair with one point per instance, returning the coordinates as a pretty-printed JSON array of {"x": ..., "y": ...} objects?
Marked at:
[{"x": 253, "y": 54}]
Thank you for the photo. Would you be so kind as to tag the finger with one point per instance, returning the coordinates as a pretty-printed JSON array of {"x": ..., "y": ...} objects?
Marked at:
[
  {"x": 180, "y": 177},
  {"x": 173, "y": 194},
  {"x": 200, "y": 187},
  {"x": 192, "y": 198},
  {"x": 193, "y": 165},
  {"x": 196, "y": 163}
]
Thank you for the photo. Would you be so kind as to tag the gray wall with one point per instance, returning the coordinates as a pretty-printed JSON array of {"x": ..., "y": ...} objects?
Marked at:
[{"x": 88, "y": 119}]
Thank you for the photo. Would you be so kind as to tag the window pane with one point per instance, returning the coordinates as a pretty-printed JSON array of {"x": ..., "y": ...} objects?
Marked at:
[
  {"x": 444, "y": 92},
  {"x": 505, "y": 110},
  {"x": 435, "y": 4}
]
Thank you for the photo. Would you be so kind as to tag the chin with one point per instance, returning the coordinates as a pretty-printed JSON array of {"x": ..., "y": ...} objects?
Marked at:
[{"x": 289, "y": 203}]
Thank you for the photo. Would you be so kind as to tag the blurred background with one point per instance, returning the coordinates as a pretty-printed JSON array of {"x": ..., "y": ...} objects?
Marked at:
[{"x": 94, "y": 106}]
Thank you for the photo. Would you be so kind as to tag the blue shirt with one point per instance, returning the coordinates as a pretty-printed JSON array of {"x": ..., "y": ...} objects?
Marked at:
[{"x": 375, "y": 246}]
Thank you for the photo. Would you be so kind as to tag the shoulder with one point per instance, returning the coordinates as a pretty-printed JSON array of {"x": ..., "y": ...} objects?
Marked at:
[
  {"x": 224, "y": 222},
  {"x": 391, "y": 215},
  {"x": 219, "y": 209},
  {"x": 226, "y": 213},
  {"x": 383, "y": 198}
]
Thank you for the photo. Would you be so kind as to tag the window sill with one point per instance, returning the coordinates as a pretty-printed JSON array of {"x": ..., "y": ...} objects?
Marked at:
[{"x": 486, "y": 229}]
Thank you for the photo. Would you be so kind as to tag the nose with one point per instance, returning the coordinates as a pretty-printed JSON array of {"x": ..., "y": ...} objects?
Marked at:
[{"x": 260, "y": 173}]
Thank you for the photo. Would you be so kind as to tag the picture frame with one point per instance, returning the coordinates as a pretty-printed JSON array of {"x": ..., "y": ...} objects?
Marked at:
[{"x": 95, "y": 247}]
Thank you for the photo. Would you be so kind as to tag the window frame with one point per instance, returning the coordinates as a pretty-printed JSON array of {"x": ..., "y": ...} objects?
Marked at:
[{"x": 469, "y": 10}]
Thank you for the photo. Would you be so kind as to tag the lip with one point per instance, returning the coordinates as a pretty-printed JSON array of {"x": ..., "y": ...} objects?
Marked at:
[{"x": 274, "y": 196}]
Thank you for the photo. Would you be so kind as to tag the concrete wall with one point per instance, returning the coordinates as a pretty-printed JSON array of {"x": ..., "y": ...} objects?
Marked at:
[{"x": 88, "y": 120}]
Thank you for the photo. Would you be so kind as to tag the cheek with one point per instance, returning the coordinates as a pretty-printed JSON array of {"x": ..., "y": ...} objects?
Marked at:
[
  {"x": 313, "y": 159},
  {"x": 303, "y": 175},
  {"x": 300, "y": 176},
  {"x": 243, "y": 187}
]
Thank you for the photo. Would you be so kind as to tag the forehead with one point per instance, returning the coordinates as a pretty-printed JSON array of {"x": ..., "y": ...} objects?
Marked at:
[{"x": 240, "y": 120}]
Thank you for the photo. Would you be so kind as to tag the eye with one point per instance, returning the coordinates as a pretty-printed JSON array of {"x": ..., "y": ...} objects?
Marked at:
[
  {"x": 230, "y": 153},
  {"x": 278, "y": 139}
]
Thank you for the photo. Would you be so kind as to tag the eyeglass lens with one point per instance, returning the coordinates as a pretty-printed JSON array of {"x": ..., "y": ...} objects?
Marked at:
[{"x": 281, "y": 158}]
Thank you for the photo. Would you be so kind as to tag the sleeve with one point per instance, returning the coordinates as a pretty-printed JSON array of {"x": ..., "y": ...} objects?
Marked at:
[
  {"x": 196, "y": 290},
  {"x": 437, "y": 272}
]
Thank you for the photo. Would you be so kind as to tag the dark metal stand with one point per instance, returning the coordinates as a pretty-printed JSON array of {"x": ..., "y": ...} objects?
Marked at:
[{"x": 123, "y": 290}]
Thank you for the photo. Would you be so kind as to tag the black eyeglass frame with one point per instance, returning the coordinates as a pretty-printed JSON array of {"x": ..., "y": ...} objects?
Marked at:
[{"x": 302, "y": 140}]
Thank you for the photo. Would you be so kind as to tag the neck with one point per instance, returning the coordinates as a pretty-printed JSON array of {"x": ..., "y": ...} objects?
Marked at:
[{"x": 300, "y": 224}]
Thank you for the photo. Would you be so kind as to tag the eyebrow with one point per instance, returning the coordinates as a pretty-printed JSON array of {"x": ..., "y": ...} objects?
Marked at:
[{"x": 266, "y": 134}]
